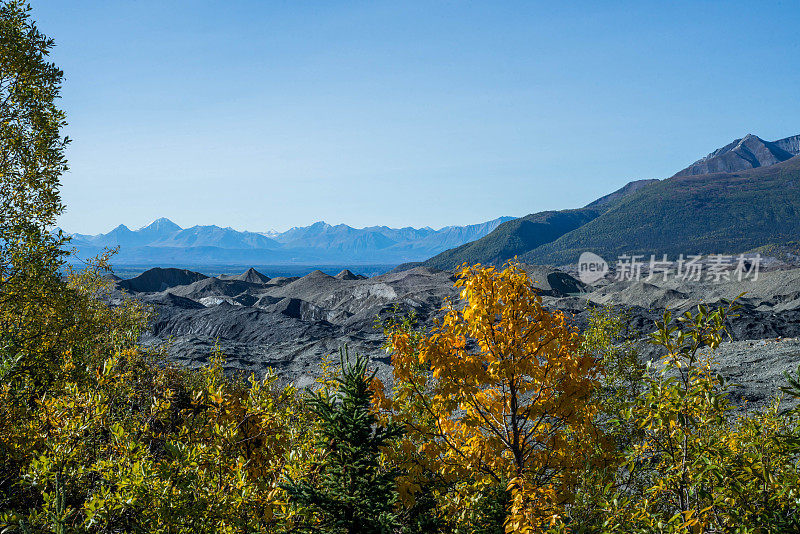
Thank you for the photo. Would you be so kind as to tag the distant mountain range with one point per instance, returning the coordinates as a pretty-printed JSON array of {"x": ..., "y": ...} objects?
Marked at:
[
  {"x": 164, "y": 233},
  {"x": 165, "y": 243},
  {"x": 740, "y": 197}
]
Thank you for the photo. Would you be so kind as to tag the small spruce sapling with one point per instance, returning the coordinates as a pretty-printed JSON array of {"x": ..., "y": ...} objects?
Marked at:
[{"x": 349, "y": 489}]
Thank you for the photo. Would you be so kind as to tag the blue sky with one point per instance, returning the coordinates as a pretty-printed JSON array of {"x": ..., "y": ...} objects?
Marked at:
[{"x": 261, "y": 115}]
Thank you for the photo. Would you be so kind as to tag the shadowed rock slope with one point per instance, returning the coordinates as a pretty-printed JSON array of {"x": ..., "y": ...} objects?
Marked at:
[{"x": 158, "y": 279}]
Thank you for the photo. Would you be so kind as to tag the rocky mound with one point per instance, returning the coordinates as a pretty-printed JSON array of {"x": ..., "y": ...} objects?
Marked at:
[
  {"x": 158, "y": 279},
  {"x": 308, "y": 286},
  {"x": 290, "y": 325},
  {"x": 250, "y": 275},
  {"x": 170, "y": 300},
  {"x": 773, "y": 291},
  {"x": 346, "y": 274},
  {"x": 554, "y": 282},
  {"x": 210, "y": 287},
  {"x": 282, "y": 280}
]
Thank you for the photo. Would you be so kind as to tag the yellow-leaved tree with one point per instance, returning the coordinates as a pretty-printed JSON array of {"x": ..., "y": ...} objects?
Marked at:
[{"x": 499, "y": 392}]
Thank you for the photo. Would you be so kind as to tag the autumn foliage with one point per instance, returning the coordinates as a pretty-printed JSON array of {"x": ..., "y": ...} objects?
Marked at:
[
  {"x": 501, "y": 418},
  {"x": 499, "y": 392}
]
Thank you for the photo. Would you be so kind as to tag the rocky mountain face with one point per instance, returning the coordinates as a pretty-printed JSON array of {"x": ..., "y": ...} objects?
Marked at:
[
  {"x": 164, "y": 242},
  {"x": 789, "y": 144},
  {"x": 749, "y": 152},
  {"x": 290, "y": 324}
]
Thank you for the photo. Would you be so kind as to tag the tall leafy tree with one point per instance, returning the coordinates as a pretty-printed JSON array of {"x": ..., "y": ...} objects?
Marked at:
[
  {"x": 349, "y": 490},
  {"x": 499, "y": 393},
  {"x": 31, "y": 164},
  {"x": 43, "y": 321}
]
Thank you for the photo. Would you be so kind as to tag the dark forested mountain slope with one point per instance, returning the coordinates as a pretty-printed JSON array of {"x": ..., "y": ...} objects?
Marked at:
[
  {"x": 515, "y": 238},
  {"x": 708, "y": 214}
]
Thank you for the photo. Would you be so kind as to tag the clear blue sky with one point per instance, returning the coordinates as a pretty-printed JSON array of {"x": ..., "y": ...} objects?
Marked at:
[{"x": 262, "y": 115}]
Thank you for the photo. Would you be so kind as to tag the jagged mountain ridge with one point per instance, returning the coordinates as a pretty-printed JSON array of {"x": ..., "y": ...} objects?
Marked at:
[
  {"x": 165, "y": 233},
  {"x": 749, "y": 152},
  {"x": 164, "y": 242},
  {"x": 790, "y": 144}
]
